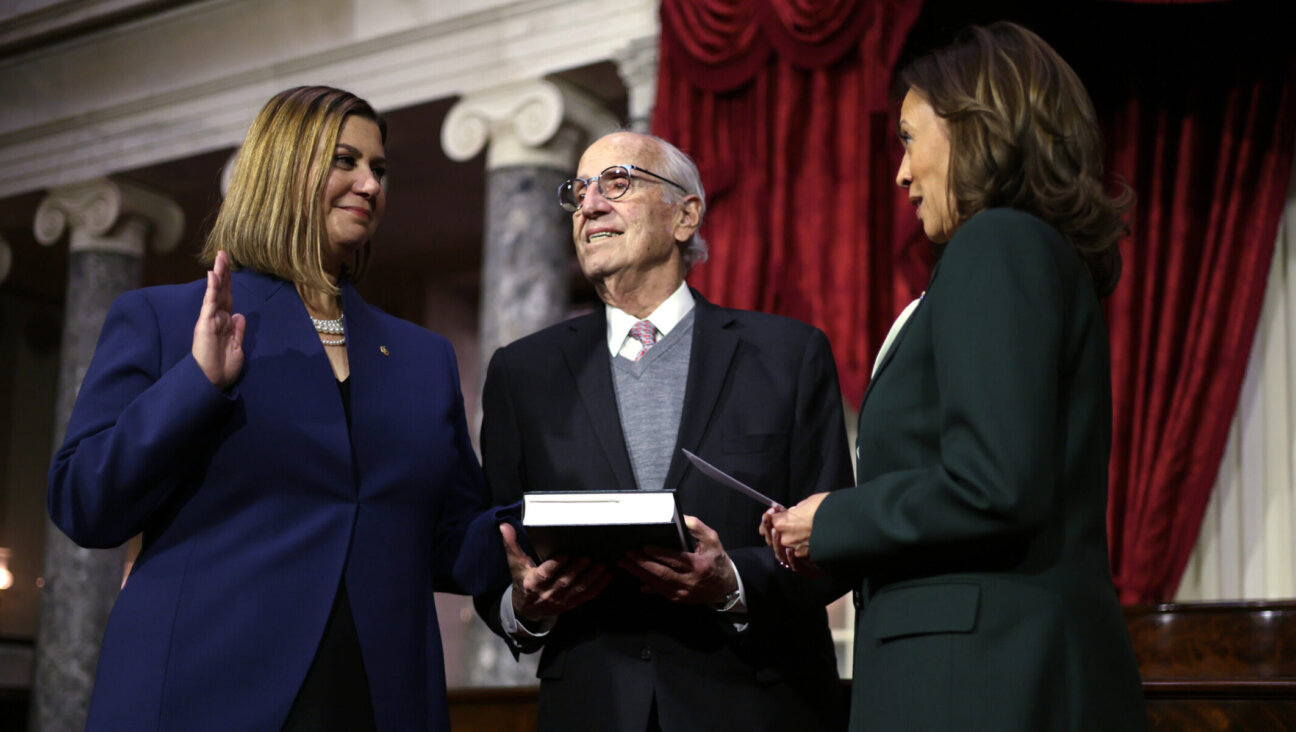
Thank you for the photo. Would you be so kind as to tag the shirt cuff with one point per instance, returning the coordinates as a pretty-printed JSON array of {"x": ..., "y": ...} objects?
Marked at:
[
  {"x": 735, "y": 608},
  {"x": 515, "y": 626}
]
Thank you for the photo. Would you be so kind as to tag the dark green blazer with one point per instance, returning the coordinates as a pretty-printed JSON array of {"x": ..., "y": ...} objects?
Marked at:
[{"x": 977, "y": 529}]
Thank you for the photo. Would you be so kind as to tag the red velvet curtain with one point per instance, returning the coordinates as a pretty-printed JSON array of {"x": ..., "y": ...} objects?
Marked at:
[
  {"x": 783, "y": 103},
  {"x": 1211, "y": 162}
]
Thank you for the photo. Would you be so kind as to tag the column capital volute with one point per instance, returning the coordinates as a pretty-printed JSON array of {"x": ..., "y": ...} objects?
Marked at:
[
  {"x": 109, "y": 214},
  {"x": 6, "y": 258},
  {"x": 533, "y": 122}
]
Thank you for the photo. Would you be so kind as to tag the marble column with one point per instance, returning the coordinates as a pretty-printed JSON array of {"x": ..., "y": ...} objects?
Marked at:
[
  {"x": 637, "y": 66},
  {"x": 533, "y": 133},
  {"x": 108, "y": 223}
]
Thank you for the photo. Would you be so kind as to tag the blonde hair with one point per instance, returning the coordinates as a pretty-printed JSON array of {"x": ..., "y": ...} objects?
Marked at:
[
  {"x": 1024, "y": 135},
  {"x": 272, "y": 218}
]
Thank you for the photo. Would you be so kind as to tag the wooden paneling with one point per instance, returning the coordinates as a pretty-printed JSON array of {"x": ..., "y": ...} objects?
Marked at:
[
  {"x": 1208, "y": 667},
  {"x": 1224, "y": 666},
  {"x": 494, "y": 710}
]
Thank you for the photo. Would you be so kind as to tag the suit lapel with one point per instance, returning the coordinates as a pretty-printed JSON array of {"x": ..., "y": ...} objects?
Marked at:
[
  {"x": 287, "y": 366},
  {"x": 369, "y": 381},
  {"x": 584, "y": 346},
  {"x": 277, "y": 321},
  {"x": 709, "y": 362},
  {"x": 895, "y": 344},
  {"x": 890, "y": 354},
  {"x": 362, "y": 341}
]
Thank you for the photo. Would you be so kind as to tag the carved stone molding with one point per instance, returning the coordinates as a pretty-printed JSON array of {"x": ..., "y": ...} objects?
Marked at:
[
  {"x": 126, "y": 115},
  {"x": 540, "y": 123},
  {"x": 637, "y": 66},
  {"x": 30, "y": 24},
  {"x": 109, "y": 215},
  {"x": 6, "y": 259}
]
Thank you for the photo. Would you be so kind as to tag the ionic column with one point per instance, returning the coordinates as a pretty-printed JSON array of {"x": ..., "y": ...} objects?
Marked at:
[
  {"x": 533, "y": 133},
  {"x": 637, "y": 66},
  {"x": 108, "y": 223}
]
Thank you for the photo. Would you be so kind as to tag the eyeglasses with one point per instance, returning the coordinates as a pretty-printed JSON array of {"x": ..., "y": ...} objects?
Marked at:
[{"x": 613, "y": 183}]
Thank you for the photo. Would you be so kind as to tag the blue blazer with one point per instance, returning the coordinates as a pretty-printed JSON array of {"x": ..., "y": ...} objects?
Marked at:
[{"x": 254, "y": 503}]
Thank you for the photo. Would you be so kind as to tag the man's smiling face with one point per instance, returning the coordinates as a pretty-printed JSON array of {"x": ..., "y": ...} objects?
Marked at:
[{"x": 635, "y": 233}]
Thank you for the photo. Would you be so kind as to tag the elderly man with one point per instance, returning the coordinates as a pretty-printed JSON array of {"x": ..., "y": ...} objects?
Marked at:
[{"x": 714, "y": 639}]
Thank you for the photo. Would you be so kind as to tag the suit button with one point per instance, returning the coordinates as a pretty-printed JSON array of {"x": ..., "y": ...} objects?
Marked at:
[{"x": 646, "y": 654}]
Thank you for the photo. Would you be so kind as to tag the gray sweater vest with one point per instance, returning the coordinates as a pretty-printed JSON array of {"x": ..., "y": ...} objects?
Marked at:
[{"x": 650, "y": 398}]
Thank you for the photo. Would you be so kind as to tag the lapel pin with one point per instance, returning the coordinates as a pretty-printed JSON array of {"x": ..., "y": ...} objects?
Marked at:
[{"x": 384, "y": 351}]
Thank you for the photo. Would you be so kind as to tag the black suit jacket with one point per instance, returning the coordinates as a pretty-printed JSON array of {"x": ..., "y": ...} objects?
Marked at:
[
  {"x": 979, "y": 522},
  {"x": 762, "y": 403}
]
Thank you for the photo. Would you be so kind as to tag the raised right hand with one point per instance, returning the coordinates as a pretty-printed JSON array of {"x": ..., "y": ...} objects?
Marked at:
[
  {"x": 555, "y": 586},
  {"x": 218, "y": 334}
]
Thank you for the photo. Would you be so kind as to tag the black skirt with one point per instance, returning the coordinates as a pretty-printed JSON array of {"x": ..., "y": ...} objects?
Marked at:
[{"x": 335, "y": 695}]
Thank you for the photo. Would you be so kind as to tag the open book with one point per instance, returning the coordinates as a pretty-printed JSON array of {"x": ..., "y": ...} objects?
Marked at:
[{"x": 602, "y": 525}]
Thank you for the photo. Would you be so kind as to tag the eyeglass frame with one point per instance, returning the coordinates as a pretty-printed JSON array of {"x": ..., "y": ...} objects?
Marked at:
[{"x": 596, "y": 180}]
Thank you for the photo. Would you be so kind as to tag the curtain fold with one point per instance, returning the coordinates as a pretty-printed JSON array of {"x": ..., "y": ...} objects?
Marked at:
[
  {"x": 798, "y": 160},
  {"x": 721, "y": 44},
  {"x": 1210, "y": 161},
  {"x": 1246, "y": 549},
  {"x": 791, "y": 130}
]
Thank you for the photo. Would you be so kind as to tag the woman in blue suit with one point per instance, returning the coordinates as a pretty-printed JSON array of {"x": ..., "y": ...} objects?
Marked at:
[
  {"x": 977, "y": 531},
  {"x": 296, "y": 460}
]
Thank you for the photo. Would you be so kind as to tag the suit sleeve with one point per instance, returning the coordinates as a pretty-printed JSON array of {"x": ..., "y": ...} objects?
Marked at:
[
  {"x": 502, "y": 460},
  {"x": 818, "y": 461},
  {"x": 997, "y": 310},
  {"x": 137, "y": 431},
  {"x": 468, "y": 555},
  {"x": 500, "y": 436}
]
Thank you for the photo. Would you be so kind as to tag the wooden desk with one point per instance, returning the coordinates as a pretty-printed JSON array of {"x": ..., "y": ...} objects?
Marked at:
[{"x": 1217, "y": 666}]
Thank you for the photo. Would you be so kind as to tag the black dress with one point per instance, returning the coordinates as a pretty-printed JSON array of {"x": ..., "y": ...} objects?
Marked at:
[{"x": 335, "y": 696}]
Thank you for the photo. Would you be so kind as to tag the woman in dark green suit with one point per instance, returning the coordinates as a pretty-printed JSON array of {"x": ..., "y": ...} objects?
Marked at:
[{"x": 977, "y": 530}]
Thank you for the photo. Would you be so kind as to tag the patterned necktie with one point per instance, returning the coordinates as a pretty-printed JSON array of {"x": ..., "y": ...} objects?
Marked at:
[{"x": 645, "y": 333}]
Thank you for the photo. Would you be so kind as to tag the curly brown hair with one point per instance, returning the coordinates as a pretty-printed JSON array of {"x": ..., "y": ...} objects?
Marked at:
[{"x": 1023, "y": 135}]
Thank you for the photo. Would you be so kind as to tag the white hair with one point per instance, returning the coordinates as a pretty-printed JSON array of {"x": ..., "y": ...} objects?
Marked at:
[{"x": 681, "y": 169}]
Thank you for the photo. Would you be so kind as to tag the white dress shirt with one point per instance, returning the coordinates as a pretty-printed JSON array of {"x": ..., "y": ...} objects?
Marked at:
[{"x": 664, "y": 319}]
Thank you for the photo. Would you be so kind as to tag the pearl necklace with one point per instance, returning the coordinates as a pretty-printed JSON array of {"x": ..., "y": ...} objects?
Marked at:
[{"x": 330, "y": 327}]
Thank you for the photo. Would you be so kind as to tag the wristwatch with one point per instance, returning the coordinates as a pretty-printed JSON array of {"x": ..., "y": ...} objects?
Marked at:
[{"x": 728, "y": 602}]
